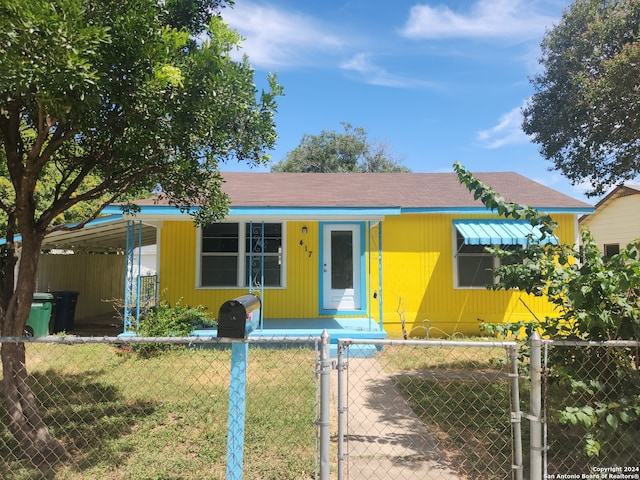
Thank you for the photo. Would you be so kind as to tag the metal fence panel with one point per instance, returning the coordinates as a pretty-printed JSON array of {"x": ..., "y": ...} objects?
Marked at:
[
  {"x": 427, "y": 410},
  {"x": 157, "y": 408},
  {"x": 591, "y": 399},
  {"x": 149, "y": 408}
]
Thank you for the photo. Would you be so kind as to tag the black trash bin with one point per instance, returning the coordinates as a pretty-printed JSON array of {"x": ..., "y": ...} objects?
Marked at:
[{"x": 65, "y": 311}]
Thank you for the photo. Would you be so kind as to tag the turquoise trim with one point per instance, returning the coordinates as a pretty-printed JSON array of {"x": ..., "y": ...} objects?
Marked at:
[
  {"x": 363, "y": 297},
  {"x": 333, "y": 211},
  {"x": 269, "y": 211},
  {"x": 101, "y": 220},
  {"x": 314, "y": 211},
  {"x": 341, "y": 312},
  {"x": 484, "y": 210},
  {"x": 151, "y": 210},
  {"x": 380, "y": 250}
]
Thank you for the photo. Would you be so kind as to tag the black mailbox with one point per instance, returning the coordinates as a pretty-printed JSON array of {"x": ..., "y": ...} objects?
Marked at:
[{"x": 239, "y": 317}]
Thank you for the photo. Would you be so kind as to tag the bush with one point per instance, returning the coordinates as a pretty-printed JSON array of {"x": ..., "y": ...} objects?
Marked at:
[
  {"x": 597, "y": 299},
  {"x": 170, "y": 321},
  {"x": 176, "y": 321}
]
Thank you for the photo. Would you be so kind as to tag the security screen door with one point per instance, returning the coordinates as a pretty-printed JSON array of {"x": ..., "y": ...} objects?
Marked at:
[{"x": 341, "y": 267}]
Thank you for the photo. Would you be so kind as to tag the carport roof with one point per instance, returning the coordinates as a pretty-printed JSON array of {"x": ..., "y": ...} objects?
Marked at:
[{"x": 105, "y": 234}]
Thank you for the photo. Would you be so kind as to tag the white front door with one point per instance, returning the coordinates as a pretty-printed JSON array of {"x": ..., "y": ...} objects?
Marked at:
[{"x": 341, "y": 264}]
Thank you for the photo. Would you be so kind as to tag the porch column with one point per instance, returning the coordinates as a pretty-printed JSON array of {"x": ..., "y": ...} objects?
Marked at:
[
  {"x": 380, "y": 274},
  {"x": 132, "y": 282}
]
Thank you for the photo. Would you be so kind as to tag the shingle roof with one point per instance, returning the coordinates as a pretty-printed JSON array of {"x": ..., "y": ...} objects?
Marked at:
[
  {"x": 619, "y": 191},
  {"x": 404, "y": 190}
]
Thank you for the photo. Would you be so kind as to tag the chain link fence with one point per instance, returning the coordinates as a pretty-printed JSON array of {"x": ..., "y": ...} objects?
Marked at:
[
  {"x": 591, "y": 408},
  {"x": 429, "y": 410},
  {"x": 158, "y": 408},
  {"x": 144, "y": 410}
]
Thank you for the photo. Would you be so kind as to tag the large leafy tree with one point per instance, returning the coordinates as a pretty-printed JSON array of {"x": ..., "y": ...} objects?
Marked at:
[
  {"x": 585, "y": 112},
  {"x": 596, "y": 299},
  {"x": 100, "y": 100},
  {"x": 348, "y": 151}
]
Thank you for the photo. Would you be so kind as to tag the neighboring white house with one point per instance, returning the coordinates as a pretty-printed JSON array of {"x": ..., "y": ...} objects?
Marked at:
[{"x": 616, "y": 220}]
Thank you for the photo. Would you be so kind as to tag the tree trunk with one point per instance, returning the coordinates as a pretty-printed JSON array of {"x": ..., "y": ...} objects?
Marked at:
[{"x": 25, "y": 422}]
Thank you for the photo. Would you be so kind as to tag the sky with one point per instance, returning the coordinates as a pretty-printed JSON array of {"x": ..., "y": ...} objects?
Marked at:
[{"x": 437, "y": 81}]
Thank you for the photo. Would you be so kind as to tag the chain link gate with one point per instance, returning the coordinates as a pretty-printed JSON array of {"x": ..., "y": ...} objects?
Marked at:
[
  {"x": 590, "y": 399},
  {"x": 428, "y": 410}
]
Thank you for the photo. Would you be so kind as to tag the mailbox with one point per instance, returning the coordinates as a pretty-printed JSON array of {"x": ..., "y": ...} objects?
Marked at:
[{"x": 239, "y": 317}]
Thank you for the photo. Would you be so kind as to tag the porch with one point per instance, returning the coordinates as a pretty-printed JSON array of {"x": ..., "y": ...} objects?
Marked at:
[
  {"x": 350, "y": 248},
  {"x": 112, "y": 324},
  {"x": 361, "y": 328},
  {"x": 364, "y": 328}
]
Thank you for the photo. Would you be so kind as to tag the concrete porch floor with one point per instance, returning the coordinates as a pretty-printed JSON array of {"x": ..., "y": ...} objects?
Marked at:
[
  {"x": 361, "y": 328},
  {"x": 112, "y": 325}
]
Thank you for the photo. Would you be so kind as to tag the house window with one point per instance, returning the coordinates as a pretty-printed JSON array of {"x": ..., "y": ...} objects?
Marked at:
[
  {"x": 474, "y": 266},
  {"x": 611, "y": 249},
  {"x": 241, "y": 255}
]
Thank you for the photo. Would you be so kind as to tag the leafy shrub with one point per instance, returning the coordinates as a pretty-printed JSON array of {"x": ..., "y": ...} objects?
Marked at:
[
  {"x": 170, "y": 321},
  {"x": 597, "y": 299},
  {"x": 173, "y": 321}
]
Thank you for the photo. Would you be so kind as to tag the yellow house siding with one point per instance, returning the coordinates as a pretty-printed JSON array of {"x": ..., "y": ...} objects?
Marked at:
[
  {"x": 178, "y": 260},
  {"x": 617, "y": 222},
  {"x": 300, "y": 298},
  {"x": 419, "y": 280},
  {"x": 418, "y": 276}
]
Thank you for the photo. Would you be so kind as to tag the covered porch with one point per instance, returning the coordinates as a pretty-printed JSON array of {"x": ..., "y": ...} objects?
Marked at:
[{"x": 119, "y": 236}]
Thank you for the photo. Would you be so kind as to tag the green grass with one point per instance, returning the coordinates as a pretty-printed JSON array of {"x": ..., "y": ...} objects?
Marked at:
[
  {"x": 462, "y": 395},
  {"x": 125, "y": 417},
  {"x": 469, "y": 422}
]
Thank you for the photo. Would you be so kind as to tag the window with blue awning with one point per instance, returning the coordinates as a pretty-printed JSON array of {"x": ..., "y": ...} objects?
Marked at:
[
  {"x": 500, "y": 232},
  {"x": 474, "y": 267}
]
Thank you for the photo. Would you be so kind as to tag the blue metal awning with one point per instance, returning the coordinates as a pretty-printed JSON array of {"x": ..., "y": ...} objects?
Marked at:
[{"x": 500, "y": 232}]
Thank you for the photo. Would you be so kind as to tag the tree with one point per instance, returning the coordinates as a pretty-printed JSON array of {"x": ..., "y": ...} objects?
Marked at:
[
  {"x": 585, "y": 112},
  {"x": 100, "y": 101},
  {"x": 350, "y": 151},
  {"x": 596, "y": 299}
]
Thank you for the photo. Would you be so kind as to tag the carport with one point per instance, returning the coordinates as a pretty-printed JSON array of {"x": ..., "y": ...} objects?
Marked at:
[{"x": 101, "y": 263}]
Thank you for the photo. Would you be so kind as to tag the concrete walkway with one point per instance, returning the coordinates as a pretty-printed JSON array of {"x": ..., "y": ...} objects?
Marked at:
[{"x": 384, "y": 439}]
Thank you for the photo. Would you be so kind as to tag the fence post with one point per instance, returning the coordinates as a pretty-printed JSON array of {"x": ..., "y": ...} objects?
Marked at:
[
  {"x": 536, "y": 407},
  {"x": 516, "y": 414},
  {"x": 237, "y": 406},
  {"x": 341, "y": 367},
  {"x": 325, "y": 405}
]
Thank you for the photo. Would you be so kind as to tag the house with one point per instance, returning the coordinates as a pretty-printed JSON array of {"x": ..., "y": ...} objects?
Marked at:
[
  {"x": 614, "y": 223},
  {"x": 402, "y": 252}
]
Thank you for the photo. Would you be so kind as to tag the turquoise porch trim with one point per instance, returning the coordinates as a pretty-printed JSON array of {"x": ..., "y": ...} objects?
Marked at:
[{"x": 363, "y": 293}]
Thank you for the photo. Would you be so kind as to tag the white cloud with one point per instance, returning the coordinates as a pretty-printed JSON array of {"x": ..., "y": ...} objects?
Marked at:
[
  {"x": 508, "y": 131},
  {"x": 375, "y": 75},
  {"x": 513, "y": 19},
  {"x": 276, "y": 38}
]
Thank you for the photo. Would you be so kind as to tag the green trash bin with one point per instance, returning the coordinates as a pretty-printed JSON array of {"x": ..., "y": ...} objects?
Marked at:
[{"x": 40, "y": 315}]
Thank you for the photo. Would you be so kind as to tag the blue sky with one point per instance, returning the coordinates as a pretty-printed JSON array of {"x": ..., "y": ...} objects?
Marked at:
[{"x": 437, "y": 81}]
